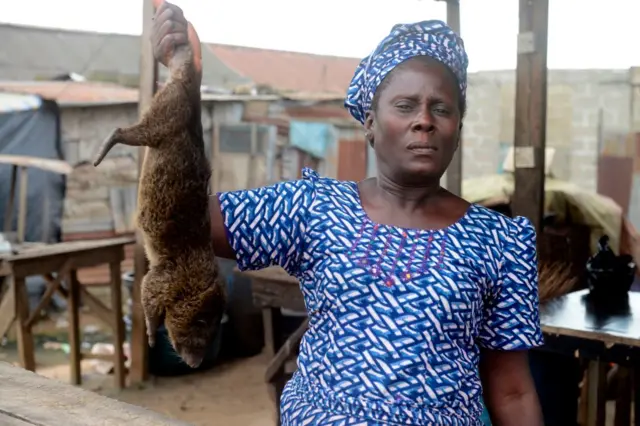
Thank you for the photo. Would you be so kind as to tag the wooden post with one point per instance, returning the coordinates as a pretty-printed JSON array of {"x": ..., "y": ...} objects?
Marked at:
[
  {"x": 216, "y": 163},
  {"x": 531, "y": 111},
  {"x": 454, "y": 171},
  {"x": 148, "y": 85}
]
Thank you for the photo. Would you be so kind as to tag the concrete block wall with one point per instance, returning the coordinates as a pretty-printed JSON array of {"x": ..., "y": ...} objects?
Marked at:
[{"x": 574, "y": 101}]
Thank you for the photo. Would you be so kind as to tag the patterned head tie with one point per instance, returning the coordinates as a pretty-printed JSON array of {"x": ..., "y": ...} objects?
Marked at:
[{"x": 431, "y": 38}]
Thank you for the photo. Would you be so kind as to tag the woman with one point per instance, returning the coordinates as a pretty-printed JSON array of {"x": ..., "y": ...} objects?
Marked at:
[{"x": 418, "y": 301}]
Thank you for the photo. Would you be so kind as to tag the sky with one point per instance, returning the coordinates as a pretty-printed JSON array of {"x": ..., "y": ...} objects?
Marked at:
[{"x": 582, "y": 33}]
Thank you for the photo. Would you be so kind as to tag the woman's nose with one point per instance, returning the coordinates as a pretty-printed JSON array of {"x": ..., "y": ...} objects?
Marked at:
[{"x": 424, "y": 122}]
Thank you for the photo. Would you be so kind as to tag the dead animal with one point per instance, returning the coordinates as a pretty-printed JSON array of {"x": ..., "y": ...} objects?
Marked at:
[{"x": 182, "y": 286}]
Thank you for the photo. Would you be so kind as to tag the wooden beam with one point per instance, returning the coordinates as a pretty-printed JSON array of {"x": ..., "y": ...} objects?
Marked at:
[
  {"x": 47, "y": 164},
  {"x": 29, "y": 399},
  {"x": 454, "y": 171},
  {"x": 531, "y": 111},
  {"x": 148, "y": 86}
]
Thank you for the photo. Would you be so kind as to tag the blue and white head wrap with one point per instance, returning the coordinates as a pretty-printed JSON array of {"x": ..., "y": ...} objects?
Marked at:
[{"x": 431, "y": 38}]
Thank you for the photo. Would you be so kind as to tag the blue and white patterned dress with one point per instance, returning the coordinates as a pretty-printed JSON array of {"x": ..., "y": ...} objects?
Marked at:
[{"x": 397, "y": 315}]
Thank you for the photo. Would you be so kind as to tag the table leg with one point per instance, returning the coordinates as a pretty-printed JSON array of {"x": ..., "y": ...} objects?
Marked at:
[
  {"x": 271, "y": 321},
  {"x": 25, "y": 337},
  {"x": 596, "y": 394},
  {"x": 73, "y": 309},
  {"x": 116, "y": 308},
  {"x": 624, "y": 395},
  {"x": 635, "y": 374}
]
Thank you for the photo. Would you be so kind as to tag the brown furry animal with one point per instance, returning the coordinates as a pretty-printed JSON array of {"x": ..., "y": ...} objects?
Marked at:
[{"x": 182, "y": 286}]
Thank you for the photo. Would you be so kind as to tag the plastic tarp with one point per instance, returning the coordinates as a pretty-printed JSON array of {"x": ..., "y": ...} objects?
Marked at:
[
  {"x": 32, "y": 128},
  {"x": 35, "y": 133},
  {"x": 313, "y": 138},
  {"x": 566, "y": 200}
]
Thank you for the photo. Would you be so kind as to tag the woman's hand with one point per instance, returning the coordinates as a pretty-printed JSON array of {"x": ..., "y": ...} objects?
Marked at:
[{"x": 169, "y": 30}]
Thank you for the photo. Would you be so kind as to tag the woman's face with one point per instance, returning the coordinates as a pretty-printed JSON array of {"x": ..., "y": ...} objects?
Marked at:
[{"x": 416, "y": 121}]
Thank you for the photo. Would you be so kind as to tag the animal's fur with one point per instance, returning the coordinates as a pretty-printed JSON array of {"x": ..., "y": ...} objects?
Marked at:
[{"x": 182, "y": 286}]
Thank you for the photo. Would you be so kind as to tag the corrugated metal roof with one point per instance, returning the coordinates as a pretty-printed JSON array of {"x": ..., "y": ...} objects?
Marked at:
[
  {"x": 35, "y": 53},
  {"x": 289, "y": 71},
  {"x": 75, "y": 93},
  {"x": 66, "y": 92},
  {"x": 13, "y": 102}
]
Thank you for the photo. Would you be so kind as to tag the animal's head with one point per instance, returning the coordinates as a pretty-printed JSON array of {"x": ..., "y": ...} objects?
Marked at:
[{"x": 193, "y": 322}]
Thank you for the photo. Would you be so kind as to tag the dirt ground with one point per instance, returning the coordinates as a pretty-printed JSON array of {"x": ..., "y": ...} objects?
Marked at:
[{"x": 230, "y": 394}]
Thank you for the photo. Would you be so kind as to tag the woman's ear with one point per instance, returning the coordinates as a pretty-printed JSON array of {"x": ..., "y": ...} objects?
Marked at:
[{"x": 368, "y": 127}]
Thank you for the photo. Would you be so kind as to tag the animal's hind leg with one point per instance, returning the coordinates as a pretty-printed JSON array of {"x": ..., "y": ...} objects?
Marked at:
[{"x": 132, "y": 136}]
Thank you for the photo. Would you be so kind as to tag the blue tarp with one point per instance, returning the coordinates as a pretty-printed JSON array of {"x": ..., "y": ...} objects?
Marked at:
[{"x": 314, "y": 138}]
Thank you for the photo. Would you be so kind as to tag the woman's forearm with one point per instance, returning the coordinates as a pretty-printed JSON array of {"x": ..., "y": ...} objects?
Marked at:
[
  {"x": 515, "y": 410},
  {"x": 508, "y": 389}
]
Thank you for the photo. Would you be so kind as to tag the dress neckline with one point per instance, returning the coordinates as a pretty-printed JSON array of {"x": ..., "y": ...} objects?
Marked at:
[{"x": 362, "y": 213}]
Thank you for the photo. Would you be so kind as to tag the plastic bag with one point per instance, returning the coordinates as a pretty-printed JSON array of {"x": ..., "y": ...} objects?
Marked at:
[{"x": 608, "y": 274}]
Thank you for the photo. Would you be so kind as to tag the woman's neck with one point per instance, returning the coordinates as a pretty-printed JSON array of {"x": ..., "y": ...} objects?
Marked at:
[{"x": 406, "y": 196}]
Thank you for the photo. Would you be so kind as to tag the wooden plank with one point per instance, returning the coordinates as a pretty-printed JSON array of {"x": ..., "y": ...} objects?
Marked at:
[
  {"x": 48, "y": 164},
  {"x": 23, "y": 176},
  {"x": 80, "y": 259},
  {"x": 216, "y": 166},
  {"x": 531, "y": 111},
  {"x": 130, "y": 197},
  {"x": 274, "y": 273},
  {"x": 67, "y": 248},
  {"x": 8, "y": 214},
  {"x": 596, "y": 382},
  {"x": 73, "y": 308},
  {"x": 285, "y": 352},
  {"x": 116, "y": 314},
  {"x": 454, "y": 171},
  {"x": 25, "y": 336},
  {"x": 148, "y": 85},
  {"x": 116, "y": 201},
  {"x": 251, "y": 173},
  {"x": 45, "y": 402},
  {"x": 7, "y": 307},
  {"x": 6, "y": 419}
]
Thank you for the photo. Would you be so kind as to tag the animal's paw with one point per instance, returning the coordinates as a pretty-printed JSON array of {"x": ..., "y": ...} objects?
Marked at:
[{"x": 153, "y": 307}]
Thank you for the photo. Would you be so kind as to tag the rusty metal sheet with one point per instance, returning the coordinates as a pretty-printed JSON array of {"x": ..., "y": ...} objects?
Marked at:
[{"x": 615, "y": 179}]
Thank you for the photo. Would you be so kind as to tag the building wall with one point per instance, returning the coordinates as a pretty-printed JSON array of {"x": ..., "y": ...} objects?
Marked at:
[{"x": 574, "y": 101}]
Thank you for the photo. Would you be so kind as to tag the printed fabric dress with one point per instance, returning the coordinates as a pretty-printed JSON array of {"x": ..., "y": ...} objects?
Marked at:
[{"x": 397, "y": 316}]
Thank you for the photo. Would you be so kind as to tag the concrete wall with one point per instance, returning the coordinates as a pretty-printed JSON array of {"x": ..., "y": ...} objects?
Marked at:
[{"x": 574, "y": 101}]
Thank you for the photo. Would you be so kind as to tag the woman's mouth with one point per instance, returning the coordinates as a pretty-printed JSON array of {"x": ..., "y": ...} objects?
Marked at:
[{"x": 422, "y": 149}]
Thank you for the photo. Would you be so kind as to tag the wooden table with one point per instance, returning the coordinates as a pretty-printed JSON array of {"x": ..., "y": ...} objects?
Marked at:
[
  {"x": 575, "y": 326},
  {"x": 274, "y": 289},
  {"x": 29, "y": 399},
  {"x": 63, "y": 260}
]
